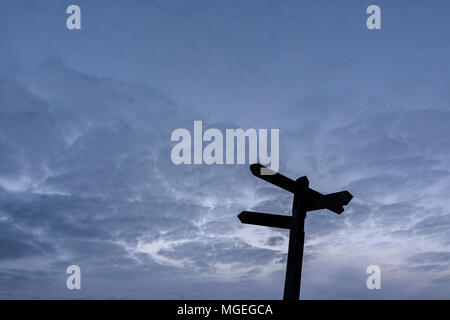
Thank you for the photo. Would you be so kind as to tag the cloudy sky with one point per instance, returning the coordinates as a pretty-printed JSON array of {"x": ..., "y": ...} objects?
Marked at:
[{"x": 86, "y": 118}]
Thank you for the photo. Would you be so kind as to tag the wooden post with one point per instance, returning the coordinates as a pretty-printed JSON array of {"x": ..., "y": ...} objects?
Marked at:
[{"x": 292, "y": 283}]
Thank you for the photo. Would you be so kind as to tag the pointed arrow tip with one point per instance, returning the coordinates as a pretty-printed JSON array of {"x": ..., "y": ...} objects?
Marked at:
[{"x": 349, "y": 197}]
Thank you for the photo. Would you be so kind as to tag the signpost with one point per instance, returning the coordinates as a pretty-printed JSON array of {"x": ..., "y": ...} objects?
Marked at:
[{"x": 305, "y": 199}]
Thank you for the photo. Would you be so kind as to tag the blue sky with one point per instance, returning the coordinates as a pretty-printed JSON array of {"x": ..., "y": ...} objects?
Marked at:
[{"x": 85, "y": 124}]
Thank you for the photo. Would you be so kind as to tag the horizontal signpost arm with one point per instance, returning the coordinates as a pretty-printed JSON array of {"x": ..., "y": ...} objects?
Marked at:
[
  {"x": 333, "y": 201},
  {"x": 265, "y": 219},
  {"x": 277, "y": 179},
  {"x": 313, "y": 200},
  {"x": 337, "y": 210},
  {"x": 338, "y": 198}
]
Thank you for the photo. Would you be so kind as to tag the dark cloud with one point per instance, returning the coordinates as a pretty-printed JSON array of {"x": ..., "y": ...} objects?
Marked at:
[
  {"x": 431, "y": 257},
  {"x": 17, "y": 243},
  {"x": 94, "y": 186}
]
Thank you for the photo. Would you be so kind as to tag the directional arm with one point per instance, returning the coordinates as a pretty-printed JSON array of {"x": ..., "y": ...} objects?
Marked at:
[
  {"x": 277, "y": 179},
  {"x": 333, "y": 201},
  {"x": 314, "y": 200},
  {"x": 265, "y": 219},
  {"x": 338, "y": 198}
]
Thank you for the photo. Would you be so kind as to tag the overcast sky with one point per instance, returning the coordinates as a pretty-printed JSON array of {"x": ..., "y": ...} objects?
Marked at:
[{"x": 86, "y": 118}]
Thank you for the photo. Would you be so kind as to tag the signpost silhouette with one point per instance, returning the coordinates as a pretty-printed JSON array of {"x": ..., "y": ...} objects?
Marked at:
[{"x": 305, "y": 199}]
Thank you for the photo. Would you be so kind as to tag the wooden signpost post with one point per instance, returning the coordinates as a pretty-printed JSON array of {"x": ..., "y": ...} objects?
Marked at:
[{"x": 305, "y": 199}]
